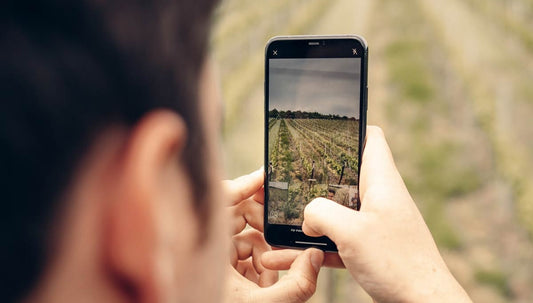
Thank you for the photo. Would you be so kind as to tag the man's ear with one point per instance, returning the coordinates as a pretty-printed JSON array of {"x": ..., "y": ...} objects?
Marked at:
[{"x": 130, "y": 245}]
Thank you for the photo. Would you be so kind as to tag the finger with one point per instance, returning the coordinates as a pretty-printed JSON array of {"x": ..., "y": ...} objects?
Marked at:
[
  {"x": 323, "y": 217},
  {"x": 282, "y": 259},
  {"x": 377, "y": 168},
  {"x": 259, "y": 196},
  {"x": 248, "y": 211},
  {"x": 279, "y": 259},
  {"x": 250, "y": 243},
  {"x": 245, "y": 186},
  {"x": 299, "y": 284}
]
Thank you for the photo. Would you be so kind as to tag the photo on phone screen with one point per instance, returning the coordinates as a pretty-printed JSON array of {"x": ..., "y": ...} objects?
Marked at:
[
  {"x": 313, "y": 134},
  {"x": 313, "y": 116}
]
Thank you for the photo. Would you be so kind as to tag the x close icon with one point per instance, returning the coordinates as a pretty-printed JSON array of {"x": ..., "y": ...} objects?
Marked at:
[{"x": 275, "y": 52}]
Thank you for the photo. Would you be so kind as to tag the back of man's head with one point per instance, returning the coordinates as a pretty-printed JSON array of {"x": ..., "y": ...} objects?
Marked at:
[{"x": 69, "y": 70}]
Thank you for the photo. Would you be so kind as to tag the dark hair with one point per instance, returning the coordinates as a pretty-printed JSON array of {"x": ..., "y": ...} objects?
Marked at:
[{"x": 68, "y": 70}]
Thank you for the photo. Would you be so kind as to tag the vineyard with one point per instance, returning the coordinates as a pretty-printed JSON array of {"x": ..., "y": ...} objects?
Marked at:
[{"x": 307, "y": 157}]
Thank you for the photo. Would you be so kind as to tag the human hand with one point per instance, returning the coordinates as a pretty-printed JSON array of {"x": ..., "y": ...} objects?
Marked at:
[
  {"x": 248, "y": 279},
  {"x": 386, "y": 246}
]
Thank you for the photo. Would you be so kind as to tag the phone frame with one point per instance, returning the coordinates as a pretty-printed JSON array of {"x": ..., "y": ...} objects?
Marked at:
[{"x": 291, "y": 236}]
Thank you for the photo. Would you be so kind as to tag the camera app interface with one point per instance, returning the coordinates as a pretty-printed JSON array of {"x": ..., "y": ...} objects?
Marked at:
[{"x": 313, "y": 134}]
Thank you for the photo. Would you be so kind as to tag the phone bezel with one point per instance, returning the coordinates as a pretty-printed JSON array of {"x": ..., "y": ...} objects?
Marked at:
[{"x": 334, "y": 46}]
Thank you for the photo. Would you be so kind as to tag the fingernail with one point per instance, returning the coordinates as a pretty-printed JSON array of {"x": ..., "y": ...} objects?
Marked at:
[{"x": 316, "y": 260}]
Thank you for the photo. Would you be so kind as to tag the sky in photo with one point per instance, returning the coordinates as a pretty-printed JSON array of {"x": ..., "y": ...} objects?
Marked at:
[{"x": 327, "y": 86}]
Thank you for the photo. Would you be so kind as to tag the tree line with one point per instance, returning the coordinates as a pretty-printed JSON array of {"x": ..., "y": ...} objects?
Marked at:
[{"x": 288, "y": 114}]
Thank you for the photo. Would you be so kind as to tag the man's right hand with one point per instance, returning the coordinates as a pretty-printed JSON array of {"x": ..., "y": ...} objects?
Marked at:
[{"x": 386, "y": 246}]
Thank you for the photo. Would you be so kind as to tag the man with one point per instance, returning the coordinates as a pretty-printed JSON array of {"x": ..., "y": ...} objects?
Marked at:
[
  {"x": 110, "y": 174},
  {"x": 109, "y": 159}
]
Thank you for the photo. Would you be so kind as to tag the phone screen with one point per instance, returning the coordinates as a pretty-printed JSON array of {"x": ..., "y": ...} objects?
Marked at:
[{"x": 313, "y": 116}]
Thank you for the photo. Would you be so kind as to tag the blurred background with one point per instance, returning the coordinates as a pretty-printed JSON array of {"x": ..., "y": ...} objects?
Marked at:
[{"x": 451, "y": 84}]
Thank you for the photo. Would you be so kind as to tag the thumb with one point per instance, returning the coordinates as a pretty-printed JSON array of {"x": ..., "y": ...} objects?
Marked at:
[
  {"x": 378, "y": 171},
  {"x": 299, "y": 284},
  {"x": 323, "y": 217}
]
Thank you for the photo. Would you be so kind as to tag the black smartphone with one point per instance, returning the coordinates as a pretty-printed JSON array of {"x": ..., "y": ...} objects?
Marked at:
[{"x": 315, "y": 122}]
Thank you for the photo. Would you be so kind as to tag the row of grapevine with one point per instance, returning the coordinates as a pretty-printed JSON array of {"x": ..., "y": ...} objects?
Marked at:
[
  {"x": 315, "y": 149},
  {"x": 338, "y": 148},
  {"x": 281, "y": 156},
  {"x": 341, "y": 133}
]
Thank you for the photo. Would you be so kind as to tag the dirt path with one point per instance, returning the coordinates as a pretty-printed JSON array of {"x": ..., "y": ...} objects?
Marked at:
[{"x": 294, "y": 133}]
